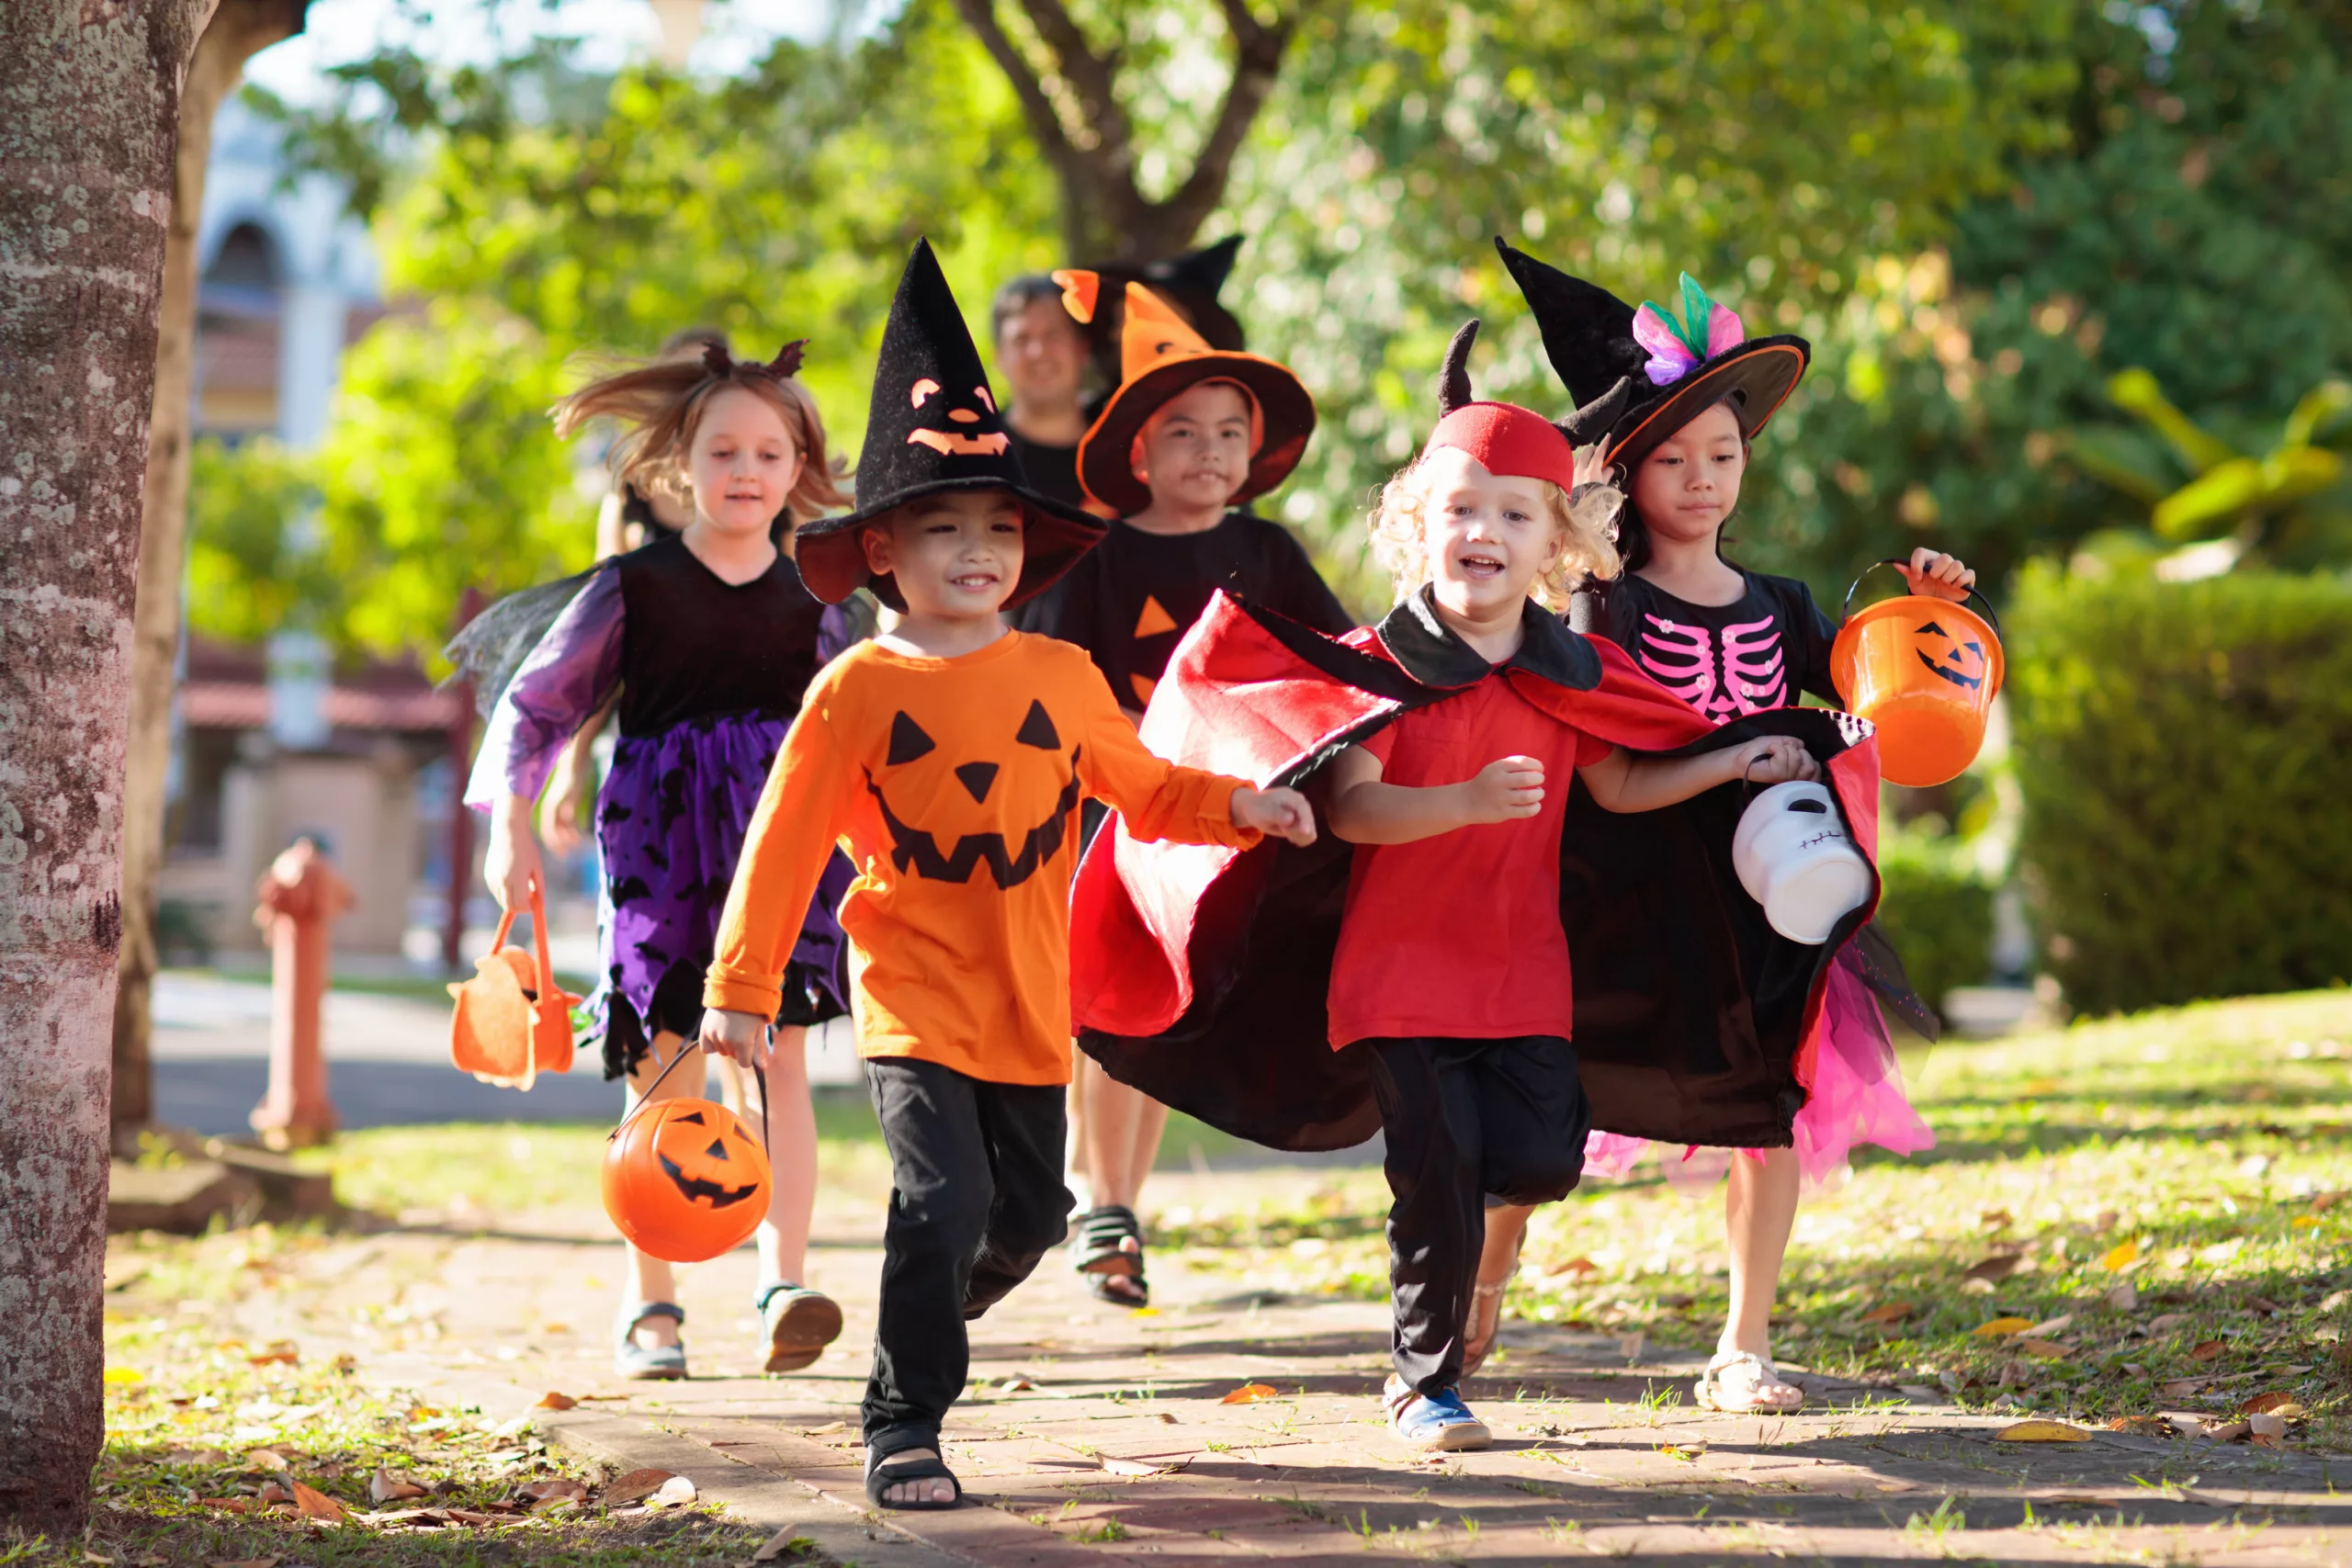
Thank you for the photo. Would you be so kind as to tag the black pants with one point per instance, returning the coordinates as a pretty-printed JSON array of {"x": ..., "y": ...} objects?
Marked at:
[
  {"x": 976, "y": 1200},
  {"x": 1463, "y": 1119}
]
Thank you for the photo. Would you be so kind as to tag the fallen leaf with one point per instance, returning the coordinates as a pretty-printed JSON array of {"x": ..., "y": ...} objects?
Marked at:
[
  {"x": 2042, "y": 1432},
  {"x": 2116, "y": 1258},
  {"x": 1015, "y": 1385},
  {"x": 347, "y": 1362},
  {"x": 2169, "y": 1320},
  {"x": 267, "y": 1458},
  {"x": 675, "y": 1493},
  {"x": 2305, "y": 1222},
  {"x": 2047, "y": 1327},
  {"x": 829, "y": 1427},
  {"x": 271, "y": 1492},
  {"x": 1999, "y": 1266},
  {"x": 2123, "y": 1297},
  {"x": 2205, "y": 1349},
  {"x": 2268, "y": 1424},
  {"x": 2230, "y": 1431},
  {"x": 2322, "y": 1202},
  {"x": 637, "y": 1484},
  {"x": 1889, "y": 1311},
  {"x": 2135, "y": 1368},
  {"x": 2000, "y": 1327},
  {"x": 282, "y": 1354},
  {"x": 554, "y": 1401},
  {"x": 386, "y": 1487},
  {"x": 1135, "y": 1467},
  {"x": 1579, "y": 1266},
  {"x": 314, "y": 1503},
  {"x": 556, "y": 1505},
  {"x": 2145, "y": 1425},
  {"x": 1976, "y": 1287},
  {"x": 1687, "y": 1452},
  {"x": 89, "y": 1556},
  {"x": 1996, "y": 1219},
  {"x": 1252, "y": 1394},
  {"x": 2033, "y": 1346},
  {"x": 227, "y": 1505},
  {"x": 784, "y": 1544},
  {"x": 2277, "y": 1402},
  {"x": 2180, "y": 1388}
]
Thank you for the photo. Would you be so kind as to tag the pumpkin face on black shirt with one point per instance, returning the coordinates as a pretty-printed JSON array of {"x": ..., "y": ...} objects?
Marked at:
[{"x": 1131, "y": 600}]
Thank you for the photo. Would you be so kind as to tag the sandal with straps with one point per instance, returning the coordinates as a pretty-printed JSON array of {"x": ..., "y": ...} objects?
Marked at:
[
  {"x": 1764, "y": 1384},
  {"x": 643, "y": 1363},
  {"x": 800, "y": 1322},
  {"x": 1108, "y": 1250},
  {"x": 884, "y": 1468}
]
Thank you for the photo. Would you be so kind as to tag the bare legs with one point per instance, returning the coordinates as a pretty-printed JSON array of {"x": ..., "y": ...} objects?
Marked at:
[
  {"x": 650, "y": 1277},
  {"x": 1122, "y": 1130},
  {"x": 1498, "y": 1256},
  {"x": 1760, "y": 1211},
  {"x": 792, "y": 1154}
]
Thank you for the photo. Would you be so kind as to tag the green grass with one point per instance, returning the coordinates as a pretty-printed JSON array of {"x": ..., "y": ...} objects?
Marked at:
[
  {"x": 199, "y": 1429},
  {"x": 2196, "y": 1156}
]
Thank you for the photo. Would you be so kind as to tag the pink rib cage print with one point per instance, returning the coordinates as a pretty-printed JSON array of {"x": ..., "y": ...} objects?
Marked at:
[{"x": 1743, "y": 673}]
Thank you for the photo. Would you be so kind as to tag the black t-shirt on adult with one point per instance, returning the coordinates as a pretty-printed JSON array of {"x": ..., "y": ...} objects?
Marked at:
[
  {"x": 1130, "y": 599},
  {"x": 1726, "y": 660},
  {"x": 1052, "y": 470}
]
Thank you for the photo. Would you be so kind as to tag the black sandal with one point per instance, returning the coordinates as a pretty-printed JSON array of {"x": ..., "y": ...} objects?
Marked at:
[
  {"x": 1102, "y": 1252},
  {"x": 881, "y": 1474}
]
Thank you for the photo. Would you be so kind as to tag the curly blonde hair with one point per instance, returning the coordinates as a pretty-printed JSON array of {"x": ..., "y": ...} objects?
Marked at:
[
  {"x": 1398, "y": 541},
  {"x": 661, "y": 405}
]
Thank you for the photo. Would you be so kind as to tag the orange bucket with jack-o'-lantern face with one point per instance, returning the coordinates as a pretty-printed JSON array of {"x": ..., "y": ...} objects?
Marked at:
[
  {"x": 684, "y": 1179},
  {"x": 1925, "y": 671}
]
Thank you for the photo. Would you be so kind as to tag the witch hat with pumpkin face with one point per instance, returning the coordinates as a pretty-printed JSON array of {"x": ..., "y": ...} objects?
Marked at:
[
  {"x": 932, "y": 429},
  {"x": 1161, "y": 356},
  {"x": 1638, "y": 376}
]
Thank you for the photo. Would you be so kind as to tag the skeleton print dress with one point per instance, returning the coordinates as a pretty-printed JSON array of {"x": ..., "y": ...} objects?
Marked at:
[{"x": 1765, "y": 650}]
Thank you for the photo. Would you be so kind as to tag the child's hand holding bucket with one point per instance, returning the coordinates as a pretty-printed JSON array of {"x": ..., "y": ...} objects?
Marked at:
[{"x": 1935, "y": 575}]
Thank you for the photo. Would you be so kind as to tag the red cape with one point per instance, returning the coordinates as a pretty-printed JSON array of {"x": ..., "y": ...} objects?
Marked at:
[{"x": 1199, "y": 974}]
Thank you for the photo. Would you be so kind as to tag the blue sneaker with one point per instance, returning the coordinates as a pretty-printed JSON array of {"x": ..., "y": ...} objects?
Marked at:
[{"x": 1434, "y": 1423}]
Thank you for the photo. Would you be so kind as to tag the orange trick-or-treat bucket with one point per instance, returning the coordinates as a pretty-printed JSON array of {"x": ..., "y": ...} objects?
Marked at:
[
  {"x": 684, "y": 1180},
  {"x": 513, "y": 1021},
  {"x": 1925, "y": 671}
]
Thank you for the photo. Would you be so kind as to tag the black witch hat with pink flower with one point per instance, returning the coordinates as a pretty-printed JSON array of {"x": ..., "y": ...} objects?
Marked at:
[{"x": 1638, "y": 376}]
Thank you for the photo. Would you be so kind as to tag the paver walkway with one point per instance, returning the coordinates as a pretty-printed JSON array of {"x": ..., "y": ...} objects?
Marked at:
[{"x": 1098, "y": 1436}]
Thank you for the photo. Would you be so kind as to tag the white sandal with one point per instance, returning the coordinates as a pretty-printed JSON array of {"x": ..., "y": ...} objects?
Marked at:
[{"x": 1763, "y": 1395}]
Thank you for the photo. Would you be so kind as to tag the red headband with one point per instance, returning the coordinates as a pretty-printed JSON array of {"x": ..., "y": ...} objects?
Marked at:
[{"x": 1507, "y": 439}]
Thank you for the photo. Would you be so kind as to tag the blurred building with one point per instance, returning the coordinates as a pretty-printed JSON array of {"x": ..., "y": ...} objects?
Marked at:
[{"x": 273, "y": 743}]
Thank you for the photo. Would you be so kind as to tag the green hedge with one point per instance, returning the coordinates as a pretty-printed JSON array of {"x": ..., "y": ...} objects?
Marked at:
[
  {"x": 2186, "y": 755},
  {"x": 1938, "y": 912}
]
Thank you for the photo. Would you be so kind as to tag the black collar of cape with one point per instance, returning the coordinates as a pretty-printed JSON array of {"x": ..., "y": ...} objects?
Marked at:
[{"x": 1427, "y": 650}]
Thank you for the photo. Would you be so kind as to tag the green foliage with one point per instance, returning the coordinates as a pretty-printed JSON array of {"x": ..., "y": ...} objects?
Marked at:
[
  {"x": 2192, "y": 222},
  {"x": 1770, "y": 147},
  {"x": 250, "y": 509},
  {"x": 2182, "y": 751},
  {"x": 1938, "y": 912}
]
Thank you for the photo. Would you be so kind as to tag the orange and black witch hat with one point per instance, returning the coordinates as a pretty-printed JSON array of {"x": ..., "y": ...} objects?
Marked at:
[{"x": 1159, "y": 355}]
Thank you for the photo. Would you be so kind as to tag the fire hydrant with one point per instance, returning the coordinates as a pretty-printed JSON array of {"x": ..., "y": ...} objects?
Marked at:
[{"x": 301, "y": 897}]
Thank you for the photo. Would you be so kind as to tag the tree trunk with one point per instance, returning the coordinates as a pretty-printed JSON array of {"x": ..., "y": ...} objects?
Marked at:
[
  {"x": 91, "y": 90},
  {"x": 238, "y": 30}
]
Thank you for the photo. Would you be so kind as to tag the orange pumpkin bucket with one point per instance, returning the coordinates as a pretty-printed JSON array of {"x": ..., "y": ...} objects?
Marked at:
[
  {"x": 1925, "y": 671},
  {"x": 684, "y": 1179},
  {"x": 513, "y": 1021}
]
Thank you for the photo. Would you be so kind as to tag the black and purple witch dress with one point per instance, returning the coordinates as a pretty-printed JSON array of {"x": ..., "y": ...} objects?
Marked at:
[{"x": 709, "y": 675}]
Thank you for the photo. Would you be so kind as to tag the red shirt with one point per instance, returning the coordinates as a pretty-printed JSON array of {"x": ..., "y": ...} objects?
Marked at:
[{"x": 1458, "y": 936}]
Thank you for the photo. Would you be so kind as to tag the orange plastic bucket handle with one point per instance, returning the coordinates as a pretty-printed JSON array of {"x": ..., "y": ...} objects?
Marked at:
[{"x": 1846, "y": 611}]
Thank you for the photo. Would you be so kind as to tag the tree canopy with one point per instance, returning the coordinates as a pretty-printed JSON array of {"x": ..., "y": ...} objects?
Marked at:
[{"x": 1980, "y": 211}]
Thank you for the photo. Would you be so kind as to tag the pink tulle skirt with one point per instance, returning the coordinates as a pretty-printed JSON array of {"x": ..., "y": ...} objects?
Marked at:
[{"x": 1853, "y": 1095}]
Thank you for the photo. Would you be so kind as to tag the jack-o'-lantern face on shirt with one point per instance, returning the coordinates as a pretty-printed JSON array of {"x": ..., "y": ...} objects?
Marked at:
[
  {"x": 955, "y": 413},
  {"x": 1959, "y": 662},
  {"x": 953, "y": 794}
]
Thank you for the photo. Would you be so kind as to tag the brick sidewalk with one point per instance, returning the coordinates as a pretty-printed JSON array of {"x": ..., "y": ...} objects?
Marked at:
[{"x": 1098, "y": 1436}]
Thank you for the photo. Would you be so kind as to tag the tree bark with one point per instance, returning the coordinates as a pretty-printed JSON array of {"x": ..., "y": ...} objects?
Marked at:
[
  {"x": 239, "y": 29},
  {"x": 90, "y": 108},
  {"x": 1091, "y": 144}
]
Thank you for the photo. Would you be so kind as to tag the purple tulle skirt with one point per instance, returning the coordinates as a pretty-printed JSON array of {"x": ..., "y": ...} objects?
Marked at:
[
  {"x": 1853, "y": 1095},
  {"x": 670, "y": 821}
]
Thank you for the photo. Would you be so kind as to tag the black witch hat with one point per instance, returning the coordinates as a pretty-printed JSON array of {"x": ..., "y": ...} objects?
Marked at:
[
  {"x": 932, "y": 428},
  {"x": 1639, "y": 376}
]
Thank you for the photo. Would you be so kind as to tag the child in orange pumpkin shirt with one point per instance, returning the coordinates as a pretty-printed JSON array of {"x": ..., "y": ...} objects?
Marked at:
[{"x": 949, "y": 757}]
